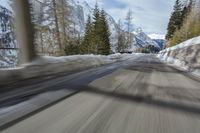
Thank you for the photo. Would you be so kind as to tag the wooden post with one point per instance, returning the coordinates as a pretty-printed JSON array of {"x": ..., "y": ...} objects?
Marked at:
[{"x": 24, "y": 31}]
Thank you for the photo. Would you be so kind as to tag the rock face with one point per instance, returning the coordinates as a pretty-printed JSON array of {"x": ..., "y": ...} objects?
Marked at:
[{"x": 8, "y": 45}]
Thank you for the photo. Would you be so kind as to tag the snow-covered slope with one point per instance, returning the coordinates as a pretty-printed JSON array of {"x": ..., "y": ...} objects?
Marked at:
[
  {"x": 142, "y": 39},
  {"x": 160, "y": 42}
]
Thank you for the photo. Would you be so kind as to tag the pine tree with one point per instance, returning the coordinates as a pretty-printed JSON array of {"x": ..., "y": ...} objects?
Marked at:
[
  {"x": 184, "y": 14},
  {"x": 190, "y": 24},
  {"x": 186, "y": 11},
  {"x": 176, "y": 21},
  {"x": 129, "y": 19},
  {"x": 96, "y": 29},
  {"x": 104, "y": 45},
  {"x": 86, "y": 46},
  {"x": 97, "y": 35}
]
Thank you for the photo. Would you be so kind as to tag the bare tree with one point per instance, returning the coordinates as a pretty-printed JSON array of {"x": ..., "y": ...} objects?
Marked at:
[
  {"x": 121, "y": 44},
  {"x": 129, "y": 19},
  {"x": 57, "y": 26},
  {"x": 63, "y": 13}
]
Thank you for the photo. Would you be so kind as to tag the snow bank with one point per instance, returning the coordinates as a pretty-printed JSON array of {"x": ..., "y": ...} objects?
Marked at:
[
  {"x": 173, "y": 61},
  {"x": 180, "y": 64},
  {"x": 186, "y": 55},
  {"x": 47, "y": 65}
]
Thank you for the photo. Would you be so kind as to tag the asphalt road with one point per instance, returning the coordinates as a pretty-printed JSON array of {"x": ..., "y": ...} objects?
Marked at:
[{"x": 141, "y": 95}]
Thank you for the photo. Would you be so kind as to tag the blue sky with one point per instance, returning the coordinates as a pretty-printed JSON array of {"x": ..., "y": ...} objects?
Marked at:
[{"x": 151, "y": 15}]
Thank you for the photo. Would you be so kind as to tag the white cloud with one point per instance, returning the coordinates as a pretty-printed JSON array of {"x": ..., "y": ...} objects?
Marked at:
[
  {"x": 117, "y": 13},
  {"x": 156, "y": 36},
  {"x": 151, "y": 15}
]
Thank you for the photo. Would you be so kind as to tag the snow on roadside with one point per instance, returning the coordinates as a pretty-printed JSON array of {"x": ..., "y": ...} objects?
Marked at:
[
  {"x": 48, "y": 65},
  {"x": 99, "y": 59},
  {"x": 179, "y": 64},
  {"x": 173, "y": 61}
]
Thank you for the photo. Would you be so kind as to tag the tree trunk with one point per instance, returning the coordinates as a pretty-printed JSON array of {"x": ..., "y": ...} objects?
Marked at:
[
  {"x": 57, "y": 27},
  {"x": 41, "y": 41},
  {"x": 63, "y": 14}
]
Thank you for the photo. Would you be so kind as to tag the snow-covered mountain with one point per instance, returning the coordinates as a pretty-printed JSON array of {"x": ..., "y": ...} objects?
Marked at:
[
  {"x": 160, "y": 42},
  {"x": 142, "y": 39},
  {"x": 159, "y": 39}
]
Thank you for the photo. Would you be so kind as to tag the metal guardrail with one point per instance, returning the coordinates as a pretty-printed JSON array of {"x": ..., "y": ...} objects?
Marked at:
[{"x": 9, "y": 48}]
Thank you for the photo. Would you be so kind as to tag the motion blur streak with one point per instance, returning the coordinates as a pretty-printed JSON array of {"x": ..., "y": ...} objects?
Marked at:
[{"x": 142, "y": 96}]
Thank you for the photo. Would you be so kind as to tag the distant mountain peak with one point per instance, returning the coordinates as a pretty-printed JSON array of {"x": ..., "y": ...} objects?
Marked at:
[{"x": 139, "y": 30}]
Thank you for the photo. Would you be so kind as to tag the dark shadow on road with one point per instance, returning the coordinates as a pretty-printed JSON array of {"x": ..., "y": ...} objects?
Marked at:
[
  {"x": 23, "y": 94},
  {"x": 160, "y": 67},
  {"x": 147, "y": 100},
  {"x": 152, "y": 66},
  {"x": 179, "y": 93}
]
